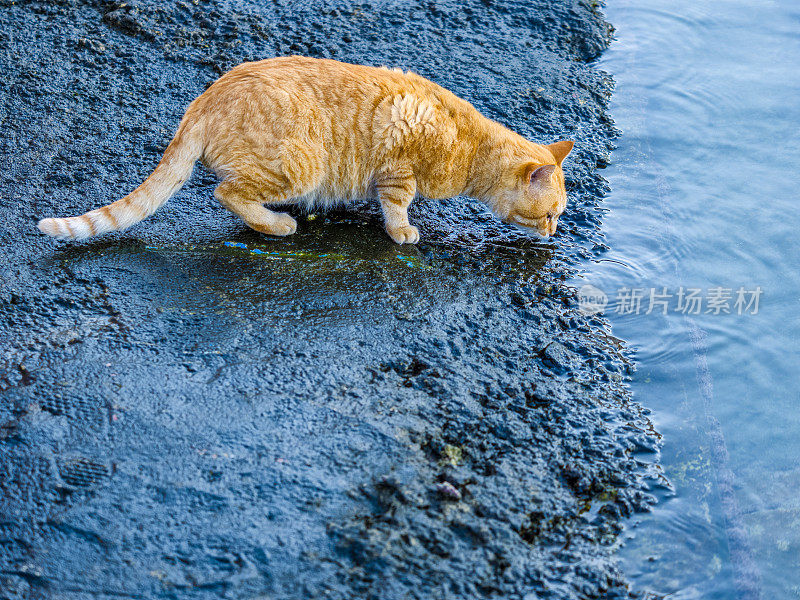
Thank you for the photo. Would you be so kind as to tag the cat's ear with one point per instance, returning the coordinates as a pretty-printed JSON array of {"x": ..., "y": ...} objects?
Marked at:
[
  {"x": 535, "y": 173},
  {"x": 560, "y": 150}
]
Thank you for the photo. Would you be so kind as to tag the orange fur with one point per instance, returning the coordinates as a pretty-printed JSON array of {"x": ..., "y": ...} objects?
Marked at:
[{"x": 304, "y": 130}]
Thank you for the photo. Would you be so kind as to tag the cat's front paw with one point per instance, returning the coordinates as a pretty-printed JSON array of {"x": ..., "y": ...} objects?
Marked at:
[
  {"x": 283, "y": 225},
  {"x": 406, "y": 234}
]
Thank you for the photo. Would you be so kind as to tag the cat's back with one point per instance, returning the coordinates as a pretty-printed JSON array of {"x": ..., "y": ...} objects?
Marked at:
[
  {"x": 335, "y": 82},
  {"x": 353, "y": 120}
]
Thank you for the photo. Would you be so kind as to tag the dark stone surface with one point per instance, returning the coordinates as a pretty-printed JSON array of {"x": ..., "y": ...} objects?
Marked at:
[{"x": 190, "y": 410}]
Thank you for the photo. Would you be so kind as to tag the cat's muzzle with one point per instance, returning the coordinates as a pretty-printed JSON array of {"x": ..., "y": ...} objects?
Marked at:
[{"x": 526, "y": 224}]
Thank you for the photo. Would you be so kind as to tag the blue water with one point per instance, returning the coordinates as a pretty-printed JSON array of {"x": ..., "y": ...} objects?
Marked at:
[{"x": 705, "y": 195}]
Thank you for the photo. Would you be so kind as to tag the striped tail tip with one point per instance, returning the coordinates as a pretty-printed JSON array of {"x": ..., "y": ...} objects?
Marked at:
[
  {"x": 50, "y": 227},
  {"x": 72, "y": 228}
]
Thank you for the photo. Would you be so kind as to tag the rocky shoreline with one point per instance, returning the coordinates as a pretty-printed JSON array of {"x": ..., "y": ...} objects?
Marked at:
[{"x": 191, "y": 410}]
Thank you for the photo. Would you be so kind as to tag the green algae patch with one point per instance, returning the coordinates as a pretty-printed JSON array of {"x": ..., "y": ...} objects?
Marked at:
[{"x": 452, "y": 454}]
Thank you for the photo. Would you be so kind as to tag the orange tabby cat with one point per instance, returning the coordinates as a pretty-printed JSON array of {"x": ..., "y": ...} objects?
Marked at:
[{"x": 294, "y": 129}]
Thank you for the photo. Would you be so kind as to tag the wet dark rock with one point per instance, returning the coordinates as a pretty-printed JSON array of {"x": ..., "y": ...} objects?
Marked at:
[{"x": 191, "y": 410}]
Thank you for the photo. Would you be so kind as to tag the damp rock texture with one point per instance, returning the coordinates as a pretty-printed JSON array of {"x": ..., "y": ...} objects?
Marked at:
[{"x": 191, "y": 410}]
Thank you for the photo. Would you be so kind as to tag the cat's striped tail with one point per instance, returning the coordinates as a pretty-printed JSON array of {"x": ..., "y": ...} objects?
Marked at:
[{"x": 171, "y": 173}]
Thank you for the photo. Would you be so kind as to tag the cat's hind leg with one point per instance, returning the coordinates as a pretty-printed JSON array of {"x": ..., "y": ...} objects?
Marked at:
[
  {"x": 247, "y": 201},
  {"x": 266, "y": 175}
]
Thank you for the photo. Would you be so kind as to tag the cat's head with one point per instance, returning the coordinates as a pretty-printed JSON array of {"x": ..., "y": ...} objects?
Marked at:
[{"x": 534, "y": 196}]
